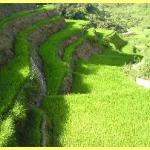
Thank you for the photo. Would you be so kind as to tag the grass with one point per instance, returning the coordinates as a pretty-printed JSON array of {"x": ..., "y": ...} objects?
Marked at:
[
  {"x": 54, "y": 68},
  {"x": 106, "y": 107},
  {"x": 15, "y": 73}
]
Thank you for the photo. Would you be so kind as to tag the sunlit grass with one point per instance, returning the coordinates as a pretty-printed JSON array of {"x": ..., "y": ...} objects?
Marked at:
[{"x": 24, "y": 71}]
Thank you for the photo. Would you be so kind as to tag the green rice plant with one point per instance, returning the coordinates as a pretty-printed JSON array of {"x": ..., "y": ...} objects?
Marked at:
[
  {"x": 7, "y": 132},
  {"x": 106, "y": 118}
]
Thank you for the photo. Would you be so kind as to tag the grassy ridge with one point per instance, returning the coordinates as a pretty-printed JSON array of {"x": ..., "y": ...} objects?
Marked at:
[
  {"x": 54, "y": 68},
  {"x": 16, "y": 72}
]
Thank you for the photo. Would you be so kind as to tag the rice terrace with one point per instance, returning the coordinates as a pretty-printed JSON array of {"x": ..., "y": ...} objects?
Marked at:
[{"x": 74, "y": 75}]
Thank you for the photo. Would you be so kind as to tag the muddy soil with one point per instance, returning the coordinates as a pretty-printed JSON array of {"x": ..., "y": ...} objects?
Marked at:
[
  {"x": 7, "y": 10},
  {"x": 86, "y": 50},
  {"x": 66, "y": 43}
]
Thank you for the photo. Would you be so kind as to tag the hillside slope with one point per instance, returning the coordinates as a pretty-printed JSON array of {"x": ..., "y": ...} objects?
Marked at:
[{"x": 62, "y": 83}]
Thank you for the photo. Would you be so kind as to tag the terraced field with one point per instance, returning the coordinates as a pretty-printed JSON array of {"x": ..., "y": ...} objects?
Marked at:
[
  {"x": 105, "y": 107},
  {"x": 60, "y": 85}
]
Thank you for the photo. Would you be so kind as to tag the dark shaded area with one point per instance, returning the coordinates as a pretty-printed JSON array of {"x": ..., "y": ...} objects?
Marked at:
[
  {"x": 56, "y": 107},
  {"x": 28, "y": 134}
]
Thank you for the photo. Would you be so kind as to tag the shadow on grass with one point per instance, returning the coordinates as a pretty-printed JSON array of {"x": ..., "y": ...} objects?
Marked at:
[
  {"x": 109, "y": 57},
  {"x": 56, "y": 109}
]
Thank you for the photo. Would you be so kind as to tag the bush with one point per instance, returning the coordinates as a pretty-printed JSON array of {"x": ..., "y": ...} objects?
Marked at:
[
  {"x": 105, "y": 42},
  {"x": 144, "y": 69}
]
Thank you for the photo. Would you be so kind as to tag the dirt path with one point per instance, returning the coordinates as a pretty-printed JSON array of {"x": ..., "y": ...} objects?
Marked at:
[
  {"x": 36, "y": 66},
  {"x": 37, "y": 69}
]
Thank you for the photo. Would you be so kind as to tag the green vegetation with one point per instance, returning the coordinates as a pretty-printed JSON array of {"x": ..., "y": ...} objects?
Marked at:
[
  {"x": 14, "y": 75},
  {"x": 111, "y": 120},
  {"x": 139, "y": 41},
  {"x": 104, "y": 106},
  {"x": 69, "y": 51},
  {"x": 7, "y": 126},
  {"x": 54, "y": 68},
  {"x": 115, "y": 39}
]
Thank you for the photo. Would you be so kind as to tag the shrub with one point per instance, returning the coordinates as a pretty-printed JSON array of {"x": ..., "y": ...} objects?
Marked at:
[
  {"x": 144, "y": 69},
  {"x": 105, "y": 42},
  {"x": 134, "y": 49}
]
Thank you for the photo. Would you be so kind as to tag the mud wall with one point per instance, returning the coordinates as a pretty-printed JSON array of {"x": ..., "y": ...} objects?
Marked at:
[{"x": 6, "y": 10}]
